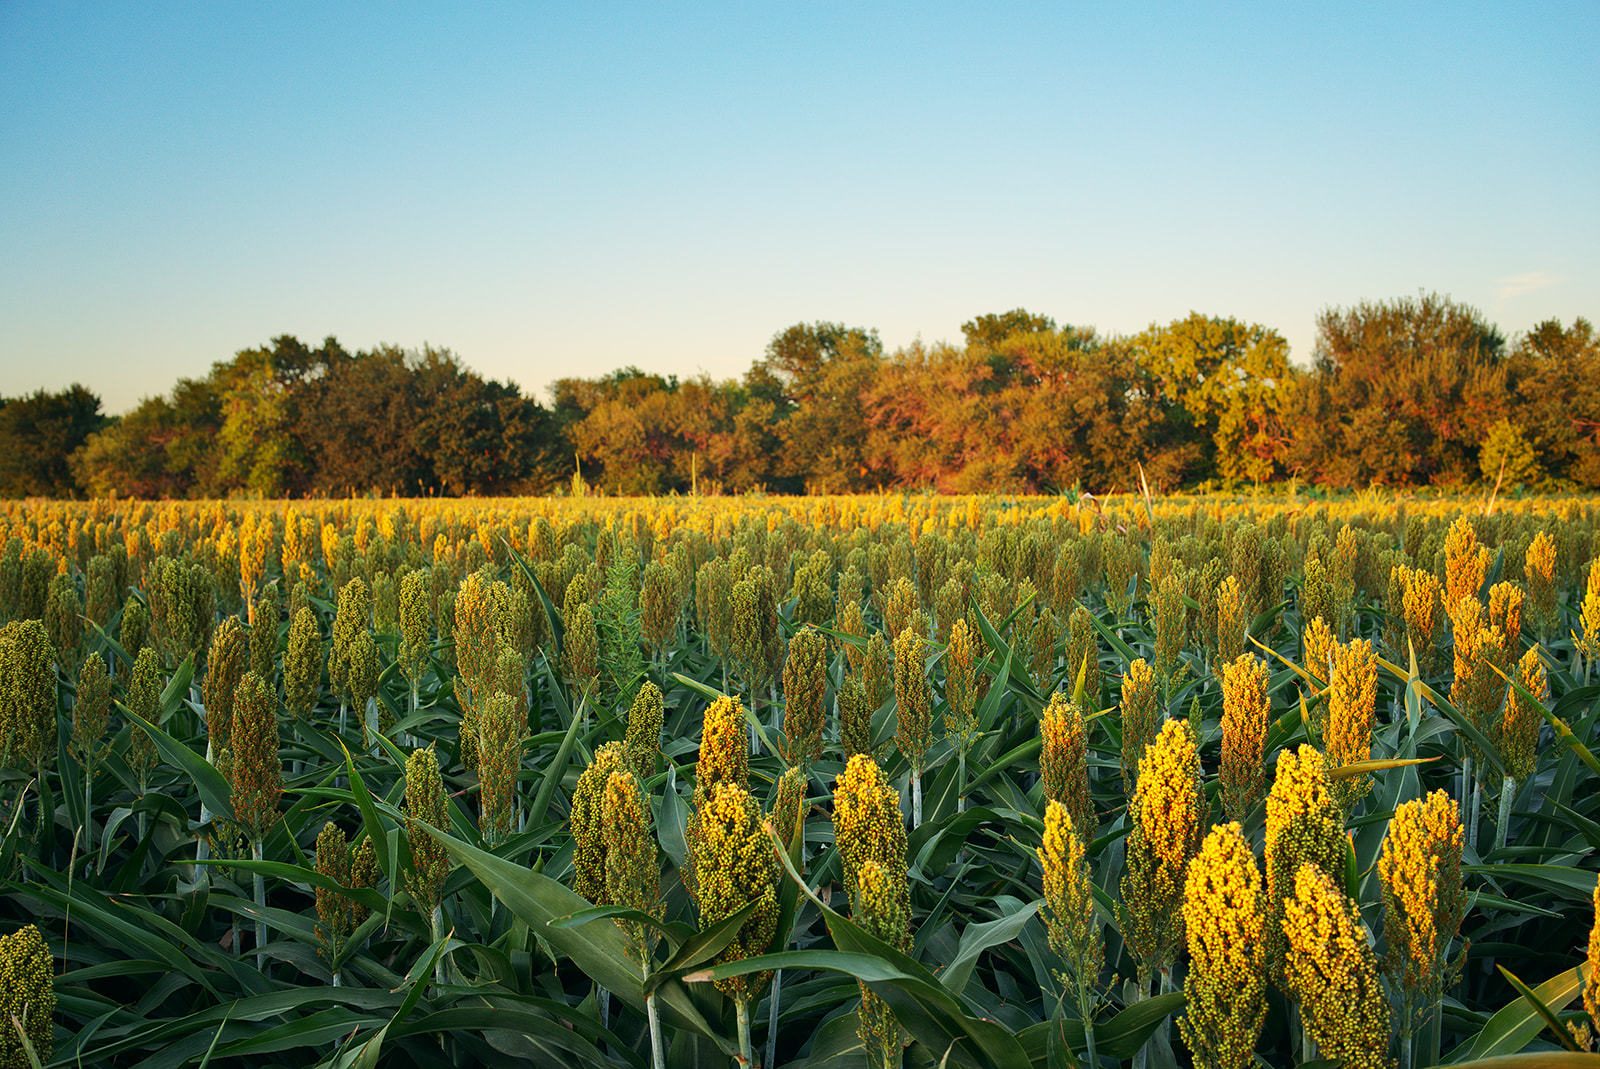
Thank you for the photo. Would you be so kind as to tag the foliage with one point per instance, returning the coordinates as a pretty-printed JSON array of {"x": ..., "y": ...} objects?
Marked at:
[{"x": 535, "y": 913}]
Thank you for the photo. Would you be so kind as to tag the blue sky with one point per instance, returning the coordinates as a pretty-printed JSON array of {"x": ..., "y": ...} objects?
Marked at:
[{"x": 553, "y": 190}]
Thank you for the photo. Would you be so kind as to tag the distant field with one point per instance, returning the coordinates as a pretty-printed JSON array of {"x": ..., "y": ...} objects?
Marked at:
[{"x": 807, "y": 781}]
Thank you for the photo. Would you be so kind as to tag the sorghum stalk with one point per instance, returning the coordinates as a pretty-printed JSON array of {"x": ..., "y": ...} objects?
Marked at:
[
  {"x": 1224, "y": 913},
  {"x": 1245, "y": 704},
  {"x": 914, "y": 709},
  {"x": 1423, "y": 906},
  {"x": 257, "y": 778},
  {"x": 1069, "y": 912},
  {"x": 1063, "y": 762},
  {"x": 1330, "y": 969}
]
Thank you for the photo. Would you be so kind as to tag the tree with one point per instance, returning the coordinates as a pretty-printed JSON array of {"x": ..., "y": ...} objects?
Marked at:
[
  {"x": 823, "y": 370},
  {"x": 261, "y": 388},
  {"x": 484, "y": 437},
  {"x": 356, "y": 426},
  {"x": 1226, "y": 379},
  {"x": 989, "y": 331},
  {"x": 1558, "y": 394},
  {"x": 38, "y": 432},
  {"x": 1402, "y": 392},
  {"x": 162, "y": 449}
]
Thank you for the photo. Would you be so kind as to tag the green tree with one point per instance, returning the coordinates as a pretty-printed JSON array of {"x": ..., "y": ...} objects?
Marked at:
[
  {"x": 823, "y": 369},
  {"x": 1227, "y": 380},
  {"x": 38, "y": 433}
]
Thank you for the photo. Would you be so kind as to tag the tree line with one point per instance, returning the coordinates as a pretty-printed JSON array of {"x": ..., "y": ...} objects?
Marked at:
[{"x": 1410, "y": 392}]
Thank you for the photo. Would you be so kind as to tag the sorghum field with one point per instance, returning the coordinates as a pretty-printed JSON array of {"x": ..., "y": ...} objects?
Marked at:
[{"x": 842, "y": 781}]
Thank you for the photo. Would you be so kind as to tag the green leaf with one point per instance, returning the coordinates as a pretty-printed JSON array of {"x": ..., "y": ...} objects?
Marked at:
[
  {"x": 371, "y": 821},
  {"x": 701, "y": 947},
  {"x": 1462, "y": 722},
  {"x": 553, "y": 773},
  {"x": 1566, "y": 881},
  {"x": 980, "y": 937},
  {"x": 215, "y": 791},
  {"x": 1515, "y": 1024},
  {"x": 600, "y": 950},
  {"x": 1550, "y": 1059},
  {"x": 1563, "y": 732},
  {"x": 1360, "y": 768},
  {"x": 295, "y": 874},
  {"x": 932, "y": 1015},
  {"x": 1550, "y": 1019}
]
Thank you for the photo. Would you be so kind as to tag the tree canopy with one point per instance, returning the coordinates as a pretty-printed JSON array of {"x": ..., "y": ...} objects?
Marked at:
[{"x": 1408, "y": 392}]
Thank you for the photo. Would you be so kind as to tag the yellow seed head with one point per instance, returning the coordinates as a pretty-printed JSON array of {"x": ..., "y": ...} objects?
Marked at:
[
  {"x": 26, "y": 994},
  {"x": 226, "y": 664},
  {"x": 881, "y": 906},
  {"x": 332, "y": 861},
  {"x": 425, "y": 804},
  {"x": 1539, "y": 570},
  {"x": 1141, "y": 716},
  {"x": 724, "y": 746},
  {"x": 642, "y": 740},
  {"x": 1319, "y": 642},
  {"x": 867, "y": 822},
  {"x": 1330, "y": 969},
  {"x": 1352, "y": 707},
  {"x": 804, "y": 686},
  {"x": 1505, "y": 613},
  {"x": 1423, "y": 606},
  {"x": 500, "y": 732},
  {"x": 735, "y": 864},
  {"x": 1423, "y": 901},
  {"x": 1303, "y": 827},
  {"x": 632, "y": 872},
  {"x": 1083, "y": 654},
  {"x": 588, "y": 842},
  {"x": 303, "y": 659},
  {"x": 1064, "y": 763},
  {"x": 961, "y": 686},
  {"x": 1245, "y": 705},
  {"x": 1224, "y": 915},
  {"x": 1590, "y": 615},
  {"x": 1466, "y": 563},
  {"x": 27, "y": 695},
  {"x": 913, "y": 697},
  {"x": 1518, "y": 737},
  {"x": 91, "y": 714},
  {"x": 789, "y": 803},
  {"x": 1591, "y": 986},
  {"x": 1169, "y": 817},
  {"x": 257, "y": 769},
  {"x": 1233, "y": 620},
  {"x": 1068, "y": 898},
  {"x": 1477, "y": 689}
]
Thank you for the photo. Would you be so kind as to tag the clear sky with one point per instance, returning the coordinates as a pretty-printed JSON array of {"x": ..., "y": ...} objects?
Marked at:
[{"x": 564, "y": 189}]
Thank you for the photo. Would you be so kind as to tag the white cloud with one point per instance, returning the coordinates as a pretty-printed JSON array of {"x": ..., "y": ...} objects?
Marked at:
[{"x": 1527, "y": 282}]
